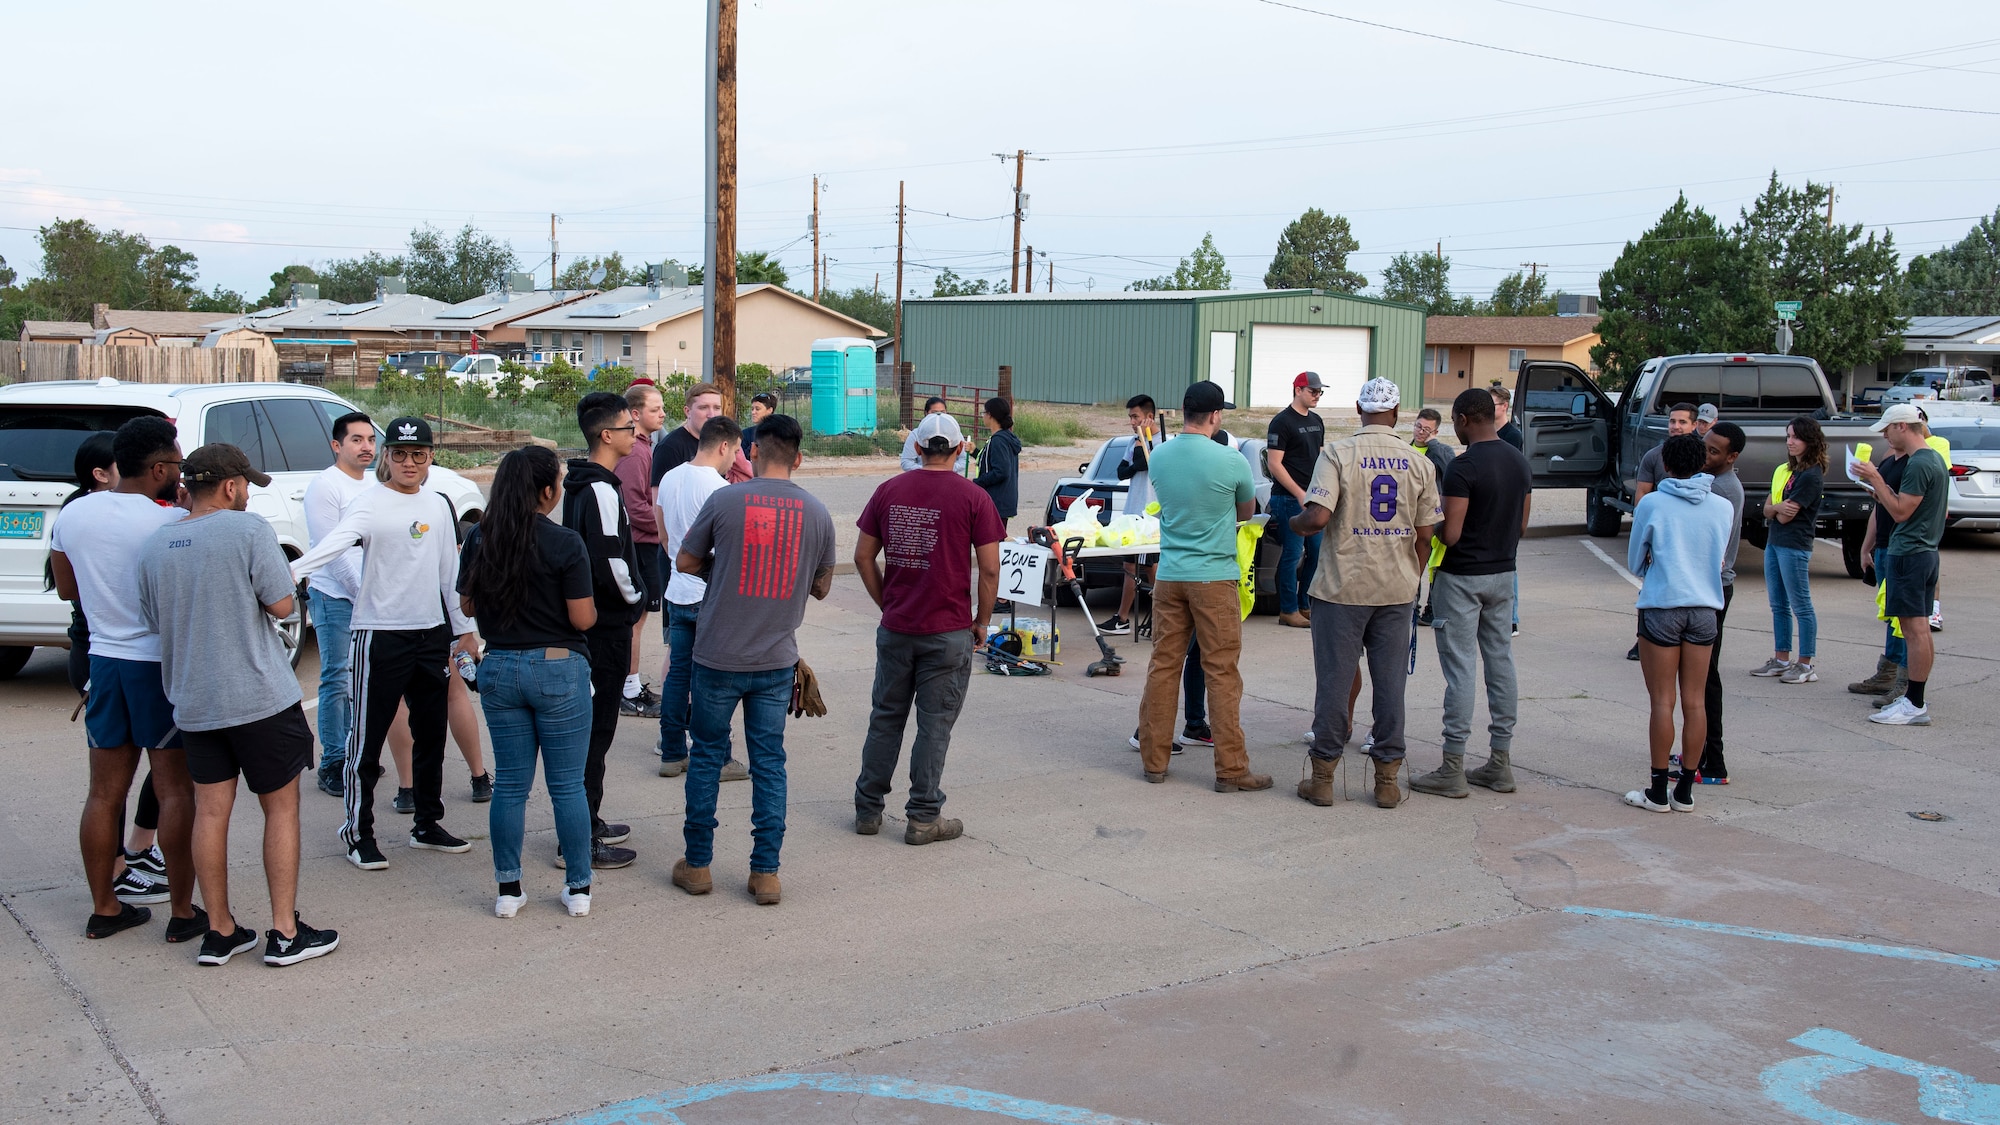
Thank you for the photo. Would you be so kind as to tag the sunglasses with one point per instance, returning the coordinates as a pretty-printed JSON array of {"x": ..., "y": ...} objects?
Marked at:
[{"x": 409, "y": 456}]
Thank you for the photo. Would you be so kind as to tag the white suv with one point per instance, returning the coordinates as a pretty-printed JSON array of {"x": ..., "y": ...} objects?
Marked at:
[{"x": 283, "y": 427}]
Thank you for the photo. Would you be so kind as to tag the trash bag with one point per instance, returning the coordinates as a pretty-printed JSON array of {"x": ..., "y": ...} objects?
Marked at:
[
  {"x": 1121, "y": 532},
  {"x": 1079, "y": 522}
]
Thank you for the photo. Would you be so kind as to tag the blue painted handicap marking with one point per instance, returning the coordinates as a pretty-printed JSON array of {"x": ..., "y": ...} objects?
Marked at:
[
  {"x": 659, "y": 1109},
  {"x": 1942, "y": 1094}
]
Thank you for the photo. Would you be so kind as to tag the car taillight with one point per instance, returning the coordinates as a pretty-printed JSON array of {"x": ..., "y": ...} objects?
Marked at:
[
  {"x": 1962, "y": 470},
  {"x": 1063, "y": 502}
]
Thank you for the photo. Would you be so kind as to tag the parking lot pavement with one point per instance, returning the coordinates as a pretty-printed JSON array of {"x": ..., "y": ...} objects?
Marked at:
[{"x": 1099, "y": 949}]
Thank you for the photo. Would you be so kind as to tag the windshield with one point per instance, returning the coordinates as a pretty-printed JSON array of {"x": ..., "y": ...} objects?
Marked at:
[
  {"x": 462, "y": 365},
  {"x": 39, "y": 442},
  {"x": 1922, "y": 378},
  {"x": 1982, "y": 439}
]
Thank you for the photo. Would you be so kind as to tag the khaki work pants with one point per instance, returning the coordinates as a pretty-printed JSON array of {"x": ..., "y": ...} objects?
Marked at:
[{"x": 1208, "y": 611}]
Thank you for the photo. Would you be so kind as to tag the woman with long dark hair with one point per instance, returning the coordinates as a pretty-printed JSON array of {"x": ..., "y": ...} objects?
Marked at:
[
  {"x": 1791, "y": 512},
  {"x": 527, "y": 579}
]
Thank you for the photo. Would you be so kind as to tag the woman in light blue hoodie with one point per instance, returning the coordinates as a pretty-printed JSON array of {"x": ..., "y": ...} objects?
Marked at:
[{"x": 1679, "y": 533}]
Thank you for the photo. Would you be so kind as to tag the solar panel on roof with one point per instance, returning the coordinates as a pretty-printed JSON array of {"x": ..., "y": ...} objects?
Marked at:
[
  {"x": 468, "y": 314},
  {"x": 350, "y": 310},
  {"x": 606, "y": 310}
]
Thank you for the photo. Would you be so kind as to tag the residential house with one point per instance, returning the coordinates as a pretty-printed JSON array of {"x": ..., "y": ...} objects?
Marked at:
[
  {"x": 1471, "y": 351},
  {"x": 145, "y": 327},
  {"x": 57, "y": 332},
  {"x": 659, "y": 330},
  {"x": 319, "y": 340},
  {"x": 488, "y": 322},
  {"x": 1928, "y": 341}
]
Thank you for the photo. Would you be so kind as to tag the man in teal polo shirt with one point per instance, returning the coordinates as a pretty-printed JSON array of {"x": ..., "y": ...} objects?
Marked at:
[{"x": 1204, "y": 489}]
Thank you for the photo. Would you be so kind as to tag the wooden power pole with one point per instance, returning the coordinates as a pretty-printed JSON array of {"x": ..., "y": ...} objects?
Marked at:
[
  {"x": 719, "y": 298},
  {"x": 1020, "y": 162},
  {"x": 815, "y": 226},
  {"x": 898, "y": 330}
]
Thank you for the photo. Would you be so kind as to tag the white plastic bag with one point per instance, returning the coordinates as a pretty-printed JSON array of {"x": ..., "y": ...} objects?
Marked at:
[{"x": 1079, "y": 522}]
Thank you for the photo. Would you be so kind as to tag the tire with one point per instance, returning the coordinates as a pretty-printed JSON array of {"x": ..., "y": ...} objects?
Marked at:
[
  {"x": 292, "y": 629},
  {"x": 1601, "y": 519},
  {"x": 1756, "y": 533},
  {"x": 1851, "y": 534},
  {"x": 13, "y": 658}
]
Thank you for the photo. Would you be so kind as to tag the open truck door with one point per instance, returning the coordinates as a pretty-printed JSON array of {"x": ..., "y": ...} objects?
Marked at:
[{"x": 1567, "y": 424}]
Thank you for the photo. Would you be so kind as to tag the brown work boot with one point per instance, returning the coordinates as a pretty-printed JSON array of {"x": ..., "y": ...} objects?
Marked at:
[
  {"x": 931, "y": 831},
  {"x": 764, "y": 887},
  {"x": 1497, "y": 774},
  {"x": 1898, "y": 687},
  {"x": 1243, "y": 783},
  {"x": 1885, "y": 675},
  {"x": 1319, "y": 787},
  {"x": 1295, "y": 620},
  {"x": 693, "y": 880},
  {"x": 1387, "y": 795},
  {"x": 1155, "y": 778},
  {"x": 867, "y": 824}
]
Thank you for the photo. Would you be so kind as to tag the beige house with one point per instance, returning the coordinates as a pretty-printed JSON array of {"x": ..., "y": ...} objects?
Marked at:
[
  {"x": 57, "y": 332},
  {"x": 659, "y": 330},
  {"x": 146, "y": 328},
  {"x": 1472, "y": 351}
]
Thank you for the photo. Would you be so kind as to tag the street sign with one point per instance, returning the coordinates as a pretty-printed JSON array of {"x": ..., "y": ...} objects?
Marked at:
[{"x": 1788, "y": 310}]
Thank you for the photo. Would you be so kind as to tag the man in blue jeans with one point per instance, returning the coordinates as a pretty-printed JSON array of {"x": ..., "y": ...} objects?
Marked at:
[
  {"x": 682, "y": 492},
  {"x": 333, "y": 587},
  {"x": 764, "y": 545},
  {"x": 1291, "y": 449}
]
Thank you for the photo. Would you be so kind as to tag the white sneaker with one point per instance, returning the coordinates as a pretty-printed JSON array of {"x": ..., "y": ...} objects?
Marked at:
[
  {"x": 506, "y": 906},
  {"x": 1133, "y": 741},
  {"x": 1800, "y": 673},
  {"x": 1309, "y": 738},
  {"x": 1637, "y": 799},
  {"x": 1937, "y": 617},
  {"x": 577, "y": 905},
  {"x": 1902, "y": 713},
  {"x": 1770, "y": 668}
]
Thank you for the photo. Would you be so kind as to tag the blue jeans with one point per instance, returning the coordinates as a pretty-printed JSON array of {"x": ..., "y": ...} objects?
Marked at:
[
  {"x": 1894, "y": 648},
  {"x": 1785, "y": 576},
  {"x": 1298, "y": 556},
  {"x": 674, "y": 694},
  {"x": 330, "y": 618},
  {"x": 534, "y": 702},
  {"x": 765, "y": 697}
]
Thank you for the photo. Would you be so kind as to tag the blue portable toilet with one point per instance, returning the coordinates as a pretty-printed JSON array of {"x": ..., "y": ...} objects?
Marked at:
[{"x": 843, "y": 385}]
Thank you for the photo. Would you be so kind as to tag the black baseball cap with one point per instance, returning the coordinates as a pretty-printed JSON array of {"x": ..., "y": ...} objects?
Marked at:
[
  {"x": 1205, "y": 397},
  {"x": 218, "y": 461},
  {"x": 408, "y": 431}
]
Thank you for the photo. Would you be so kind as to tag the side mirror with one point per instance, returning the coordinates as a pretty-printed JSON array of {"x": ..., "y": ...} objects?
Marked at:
[
  {"x": 1082, "y": 467},
  {"x": 1579, "y": 406}
]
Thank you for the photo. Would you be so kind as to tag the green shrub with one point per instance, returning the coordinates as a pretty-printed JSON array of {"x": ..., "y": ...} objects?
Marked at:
[
  {"x": 392, "y": 382},
  {"x": 561, "y": 385},
  {"x": 1043, "y": 425}
]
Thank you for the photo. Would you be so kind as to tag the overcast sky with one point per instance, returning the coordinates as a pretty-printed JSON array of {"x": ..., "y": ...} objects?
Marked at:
[{"x": 255, "y": 135}]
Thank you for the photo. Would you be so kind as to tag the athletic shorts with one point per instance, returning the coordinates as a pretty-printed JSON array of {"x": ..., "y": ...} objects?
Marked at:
[
  {"x": 269, "y": 753},
  {"x": 652, "y": 572},
  {"x": 1912, "y": 583},
  {"x": 128, "y": 706},
  {"x": 1678, "y": 625}
]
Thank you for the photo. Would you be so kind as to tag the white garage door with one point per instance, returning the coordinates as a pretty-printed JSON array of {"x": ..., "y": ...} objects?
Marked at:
[{"x": 1278, "y": 352}]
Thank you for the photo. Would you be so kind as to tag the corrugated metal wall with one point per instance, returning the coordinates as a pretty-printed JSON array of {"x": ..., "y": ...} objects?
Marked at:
[{"x": 1396, "y": 344}]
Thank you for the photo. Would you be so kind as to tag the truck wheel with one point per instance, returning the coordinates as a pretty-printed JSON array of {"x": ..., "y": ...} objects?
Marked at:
[
  {"x": 13, "y": 658},
  {"x": 1851, "y": 534},
  {"x": 1756, "y": 533},
  {"x": 1601, "y": 519}
]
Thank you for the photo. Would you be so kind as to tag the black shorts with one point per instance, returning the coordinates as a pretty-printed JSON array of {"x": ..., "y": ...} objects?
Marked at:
[
  {"x": 270, "y": 753},
  {"x": 1678, "y": 625},
  {"x": 652, "y": 572},
  {"x": 1912, "y": 583}
]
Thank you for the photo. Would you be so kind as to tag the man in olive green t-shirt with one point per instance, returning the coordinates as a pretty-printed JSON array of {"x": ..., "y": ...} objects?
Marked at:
[
  {"x": 1204, "y": 489},
  {"x": 1910, "y": 567}
]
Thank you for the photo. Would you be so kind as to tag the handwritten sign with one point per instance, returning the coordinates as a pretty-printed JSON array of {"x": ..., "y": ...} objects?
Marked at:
[{"x": 1024, "y": 570}]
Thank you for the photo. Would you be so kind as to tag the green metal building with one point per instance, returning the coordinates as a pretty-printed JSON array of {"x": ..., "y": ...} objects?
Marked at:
[{"x": 1107, "y": 347}]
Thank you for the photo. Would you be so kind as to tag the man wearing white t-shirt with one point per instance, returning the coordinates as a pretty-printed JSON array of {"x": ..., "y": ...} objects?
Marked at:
[
  {"x": 333, "y": 588},
  {"x": 94, "y": 554},
  {"x": 683, "y": 490}
]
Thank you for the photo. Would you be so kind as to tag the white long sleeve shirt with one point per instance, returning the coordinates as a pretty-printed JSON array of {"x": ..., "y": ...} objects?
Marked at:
[
  {"x": 328, "y": 498},
  {"x": 409, "y": 560}
]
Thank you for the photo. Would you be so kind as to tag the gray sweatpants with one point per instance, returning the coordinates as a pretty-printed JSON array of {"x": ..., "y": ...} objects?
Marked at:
[
  {"x": 1475, "y": 616},
  {"x": 931, "y": 673},
  {"x": 1341, "y": 633}
]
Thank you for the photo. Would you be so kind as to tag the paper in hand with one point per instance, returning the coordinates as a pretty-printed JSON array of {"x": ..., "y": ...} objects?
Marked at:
[{"x": 1852, "y": 461}]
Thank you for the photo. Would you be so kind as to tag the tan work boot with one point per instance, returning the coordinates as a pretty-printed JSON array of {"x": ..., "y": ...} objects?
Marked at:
[
  {"x": 1885, "y": 675},
  {"x": 932, "y": 831},
  {"x": 764, "y": 887},
  {"x": 693, "y": 880},
  {"x": 1898, "y": 688},
  {"x": 1295, "y": 620},
  {"x": 1243, "y": 783},
  {"x": 1448, "y": 780},
  {"x": 1497, "y": 774},
  {"x": 1319, "y": 787},
  {"x": 1387, "y": 794}
]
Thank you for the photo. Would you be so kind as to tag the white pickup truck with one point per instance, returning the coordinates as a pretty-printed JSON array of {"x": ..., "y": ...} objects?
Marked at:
[{"x": 283, "y": 427}]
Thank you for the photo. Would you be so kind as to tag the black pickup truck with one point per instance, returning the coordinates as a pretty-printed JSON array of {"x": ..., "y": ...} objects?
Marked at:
[{"x": 1578, "y": 436}]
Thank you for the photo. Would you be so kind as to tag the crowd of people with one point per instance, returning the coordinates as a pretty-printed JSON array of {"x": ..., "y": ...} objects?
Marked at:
[{"x": 540, "y": 610}]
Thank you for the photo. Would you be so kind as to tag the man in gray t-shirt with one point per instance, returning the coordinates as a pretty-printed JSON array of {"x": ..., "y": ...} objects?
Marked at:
[{"x": 765, "y": 545}]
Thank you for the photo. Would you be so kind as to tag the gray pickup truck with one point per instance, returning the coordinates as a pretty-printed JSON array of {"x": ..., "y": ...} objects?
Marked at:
[{"x": 1577, "y": 436}]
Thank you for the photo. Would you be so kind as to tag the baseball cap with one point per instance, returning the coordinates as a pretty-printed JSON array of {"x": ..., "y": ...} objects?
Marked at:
[
  {"x": 1308, "y": 380},
  {"x": 218, "y": 461},
  {"x": 1707, "y": 413},
  {"x": 1379, "y": 396},
  {"x": 1901, "y": 412},
  {"x": 409, "y": 431},
  {"x": 1205, "y": 397},
  {"x": 935, "y": 427}
]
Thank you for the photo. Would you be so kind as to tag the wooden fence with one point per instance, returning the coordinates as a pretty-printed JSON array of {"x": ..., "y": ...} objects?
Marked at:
[{"x": 40, "y": 363}]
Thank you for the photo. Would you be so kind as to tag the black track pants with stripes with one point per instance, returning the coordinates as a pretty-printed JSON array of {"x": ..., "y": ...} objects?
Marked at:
[{"x": 392, "y": 666}]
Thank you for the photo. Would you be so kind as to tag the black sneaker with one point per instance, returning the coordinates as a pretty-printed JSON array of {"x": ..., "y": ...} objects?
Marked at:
[
  {"x": 332, "y": 783},
  {"x": 636, "y": 707},
  {"x": 611, "y": 833},
  {"x": 140, "y": 887},
  {"x": 218, "y": 948},
  {"x": 150, "y": 861},
  {"x": 128, "y": 916},
  {"x": 367, "y": 856},
  {"x": 433, "y": 838},
  {"x": 482, "y": 788},
  {"x": 603, "y": 857},
  {"x": 647, "y": 694},
  {"x": 305, "y": 944},
  {"x": 187, "y": 929},
  {"x": 1116, "y": 627},
  {"x": 405, "y": 802},
  {"x": 1633, "y": 654},
  {"x": 1194, "y": 734},
  {"x": 1424, "y": 616},
  {"x": 1517, "y": 632}
]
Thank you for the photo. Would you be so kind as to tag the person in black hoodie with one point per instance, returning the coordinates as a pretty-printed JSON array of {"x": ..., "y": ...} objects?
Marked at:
[
  {"x": 592, "y": 509},
  {"x": 1000, "y": 462}
]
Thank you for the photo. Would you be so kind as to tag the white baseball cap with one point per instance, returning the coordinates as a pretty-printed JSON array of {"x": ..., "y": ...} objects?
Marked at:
[
  {"x": 1379, "y": 396},
  {"x": 939, "y": 425},
  {"x": 1901, "y": 412}
]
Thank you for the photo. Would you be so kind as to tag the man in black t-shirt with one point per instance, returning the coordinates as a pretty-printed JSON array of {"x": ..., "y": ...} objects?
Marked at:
[
  {"x": 1486, "y": 500},
  {"x": 1291, "y": 450},
  {"x": 677, "y": 446},
  {"x": 1503, "y": 413}
]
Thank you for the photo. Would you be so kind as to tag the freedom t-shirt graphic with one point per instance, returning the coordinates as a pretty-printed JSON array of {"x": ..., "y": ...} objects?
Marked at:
[{"x": 772, "y": 527}]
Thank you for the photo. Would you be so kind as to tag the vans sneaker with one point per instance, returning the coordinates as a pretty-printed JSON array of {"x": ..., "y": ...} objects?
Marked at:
[
  {"x": 1902, "y": 713},
  {"x": 578, "y": 905},
  {"x": 1770, "y": 668},
  {"x": 305, "y": 944},
  {"x": 1799, "y": 673},
  {"x": 506, "y": 906},
  {"x": 150, "y": 861},
  {"x": 217, "y": 948},
  {"x": 140, "y": 888},
  {"x": 433, "y": 838},
  {"x": 367, "y": 856}
]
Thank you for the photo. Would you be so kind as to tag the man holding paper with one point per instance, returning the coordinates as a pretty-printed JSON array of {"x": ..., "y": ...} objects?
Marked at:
[{"x": 1909, "y": 568}]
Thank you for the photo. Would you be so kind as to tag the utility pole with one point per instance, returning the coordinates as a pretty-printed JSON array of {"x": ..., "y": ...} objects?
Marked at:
[
  {"x": 1030, "y": 260},
  {"x": 1531, "y": 267},
  {"x": 1052, "y": 271},
  {"x": 719, "y": 296},
  {"x": 815, "y": 232},
  {"x": 900, "y": 351},
  {"x": 552, "y": 249},
  {"x": 1020, "y": 159}
]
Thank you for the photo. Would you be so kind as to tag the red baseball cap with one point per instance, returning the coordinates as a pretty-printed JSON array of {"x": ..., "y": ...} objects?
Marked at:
[{"x": 1308, "y": 380}]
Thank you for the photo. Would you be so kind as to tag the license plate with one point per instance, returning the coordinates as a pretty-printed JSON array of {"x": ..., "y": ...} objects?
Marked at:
[{"x": 21, "y": 525}]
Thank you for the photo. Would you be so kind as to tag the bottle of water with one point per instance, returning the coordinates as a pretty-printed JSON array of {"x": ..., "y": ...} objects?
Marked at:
[{"x": 468, "y": 670}]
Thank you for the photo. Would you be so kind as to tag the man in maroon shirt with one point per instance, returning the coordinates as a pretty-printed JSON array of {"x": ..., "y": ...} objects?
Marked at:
[
  {"x": 635, "y": 488},
  {"x": 927, "y": 525}
]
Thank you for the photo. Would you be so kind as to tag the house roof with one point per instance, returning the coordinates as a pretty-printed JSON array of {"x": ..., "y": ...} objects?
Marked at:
[
  {"x": 489, "y": 310},
  {"x": 638, "y": 308},
  {"x": 79, "y": 329},
  {"x": 161, "y": 323},
  {"x": 1971, "y": 329},
  {"x": 385, "y": 315},
  {"x": 1514, "y": 331}
]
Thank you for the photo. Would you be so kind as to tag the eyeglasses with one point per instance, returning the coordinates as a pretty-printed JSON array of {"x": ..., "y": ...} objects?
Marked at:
[
  {"x": 409, "y": 456},
  {"x": 174, "y": 464},
  {"x": 633, "y": 428}
]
